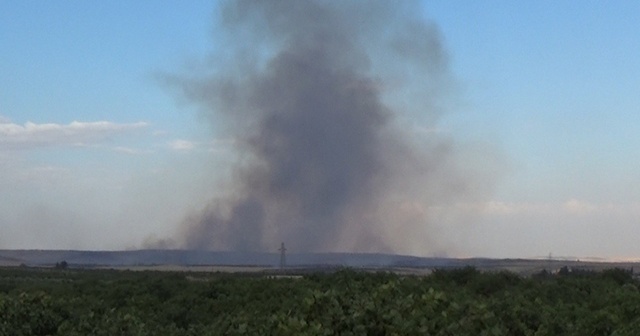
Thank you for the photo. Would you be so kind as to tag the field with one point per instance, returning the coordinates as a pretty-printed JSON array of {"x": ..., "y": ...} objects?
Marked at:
[{"x": 464, "y": 301}]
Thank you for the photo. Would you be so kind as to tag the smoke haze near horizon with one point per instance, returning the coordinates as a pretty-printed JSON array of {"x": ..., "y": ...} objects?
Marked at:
[{"x": 333, "y": 108}]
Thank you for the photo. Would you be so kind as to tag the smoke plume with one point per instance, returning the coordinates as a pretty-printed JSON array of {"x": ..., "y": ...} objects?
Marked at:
[{"x": 333, "y": 107}]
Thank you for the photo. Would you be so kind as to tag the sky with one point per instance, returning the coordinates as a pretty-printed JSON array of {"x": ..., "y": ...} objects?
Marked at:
[{"x": 98, "y": 152}]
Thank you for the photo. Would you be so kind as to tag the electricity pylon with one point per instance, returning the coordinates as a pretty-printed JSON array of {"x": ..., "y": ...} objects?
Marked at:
[{"x": 283, "y": 256}]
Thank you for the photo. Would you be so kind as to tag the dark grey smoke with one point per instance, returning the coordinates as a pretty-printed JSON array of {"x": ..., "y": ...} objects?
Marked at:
[{"x": 317, "y": 95}]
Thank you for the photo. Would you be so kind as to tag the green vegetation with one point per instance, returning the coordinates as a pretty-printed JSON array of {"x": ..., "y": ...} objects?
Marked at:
[{"x": 455, "y": 302}]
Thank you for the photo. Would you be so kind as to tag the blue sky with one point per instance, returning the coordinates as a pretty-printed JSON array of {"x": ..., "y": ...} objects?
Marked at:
[{"x": 549, "y": 87}]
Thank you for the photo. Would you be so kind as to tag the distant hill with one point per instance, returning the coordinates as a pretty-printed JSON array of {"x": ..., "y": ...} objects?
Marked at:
[
  {"x": 8, "y": 261},
  {"x": 201, "y": 258},
  {"x": 188, "y": 258}
]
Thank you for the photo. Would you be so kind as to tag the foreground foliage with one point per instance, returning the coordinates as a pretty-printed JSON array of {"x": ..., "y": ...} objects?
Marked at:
[{"x": 455, "y": 302}]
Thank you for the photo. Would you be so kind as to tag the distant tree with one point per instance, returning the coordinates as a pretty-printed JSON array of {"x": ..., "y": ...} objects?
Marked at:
[
  {"x": 544, "y": 274},
  {"x": 619, "y": 275},
  {"x": 62, "y": 265},
  {"x": 564, "y": 270}
]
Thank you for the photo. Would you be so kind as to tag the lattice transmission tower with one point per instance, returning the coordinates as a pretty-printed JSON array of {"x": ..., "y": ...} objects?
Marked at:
[{"x": 283, "y": 256}]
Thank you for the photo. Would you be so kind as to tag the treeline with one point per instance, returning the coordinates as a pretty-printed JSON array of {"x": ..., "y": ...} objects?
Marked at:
[{"x": 453, "y": 302}]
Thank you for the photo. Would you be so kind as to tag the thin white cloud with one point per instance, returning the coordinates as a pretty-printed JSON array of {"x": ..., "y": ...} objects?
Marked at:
[
  {"x": 513, "y": 208},
  {"x": 220, "y": 145},
  {"x": 32, "y": 135},
  {"x": 214, "y": 146},
  {"x": 128, "y": 150},
  {"x": 571, "y": 207},
  {"x": 116, "y": 149},
  {"x": 160, "y": 133},
  {"x": 577, "y": 207},
  {"x": 4, "y": 120},
  {"x": 182, "y": 145}
]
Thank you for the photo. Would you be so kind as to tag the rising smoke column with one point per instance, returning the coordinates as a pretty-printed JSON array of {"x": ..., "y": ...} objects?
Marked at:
[{"x": 313, "y": 93}]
